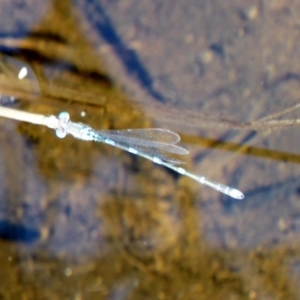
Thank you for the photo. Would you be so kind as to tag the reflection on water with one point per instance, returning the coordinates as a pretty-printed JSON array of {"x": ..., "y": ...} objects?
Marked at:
[
  {"x": 83, "y": 220},
  {"x": 19, "y": 74}
]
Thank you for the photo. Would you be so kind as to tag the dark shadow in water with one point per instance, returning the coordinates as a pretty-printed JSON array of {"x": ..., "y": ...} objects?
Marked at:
[
  {"x": 129, "y": 58},
  {"x": 17, "y": 233},
  {"x": 31, "y": 55}
]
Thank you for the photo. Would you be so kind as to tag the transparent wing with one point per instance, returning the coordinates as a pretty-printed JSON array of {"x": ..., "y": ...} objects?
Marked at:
[
  {"x": 134, "y": 142},
  {"x": 152, "y": 152},
  {"x": 148, "y": 134},
  {"x": 141, "y": 144}
]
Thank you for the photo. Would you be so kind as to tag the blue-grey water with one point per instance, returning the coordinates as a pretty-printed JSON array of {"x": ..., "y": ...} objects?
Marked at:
[{"x": 82, "y": 220}]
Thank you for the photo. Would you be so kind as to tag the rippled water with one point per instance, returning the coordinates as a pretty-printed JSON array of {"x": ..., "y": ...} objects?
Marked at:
[{"x": 82, "y": 220}]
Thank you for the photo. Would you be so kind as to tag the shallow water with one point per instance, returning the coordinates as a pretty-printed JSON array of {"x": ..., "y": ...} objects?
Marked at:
[{"x": 82, "y": 220}]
